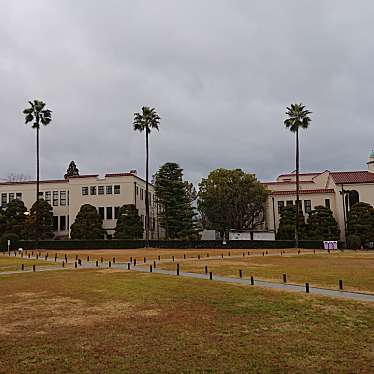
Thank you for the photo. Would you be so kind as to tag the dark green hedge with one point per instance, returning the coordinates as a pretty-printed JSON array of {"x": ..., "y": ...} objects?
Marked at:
[{"x": 133, "y": 244}]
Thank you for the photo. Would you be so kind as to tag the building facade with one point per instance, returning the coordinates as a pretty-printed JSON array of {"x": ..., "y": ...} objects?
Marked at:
[
  {"x": 335, "y": 190},
  {"x": 66, "y": 196}
]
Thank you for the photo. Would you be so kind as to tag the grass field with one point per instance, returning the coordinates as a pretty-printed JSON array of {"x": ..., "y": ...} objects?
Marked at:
[
  {"x": 108, "y": 321},
  {"x": 356, "y": 269},
  {"x": 15, "y": 263}
]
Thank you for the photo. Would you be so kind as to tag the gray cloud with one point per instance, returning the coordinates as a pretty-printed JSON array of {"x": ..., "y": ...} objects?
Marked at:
[{"x": 220, "y": 73}]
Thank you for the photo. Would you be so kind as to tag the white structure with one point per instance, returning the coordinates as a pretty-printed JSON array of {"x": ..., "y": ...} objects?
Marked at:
[
  {"x": 66, "y": 196},
  {"x": 335, "y": 190}
]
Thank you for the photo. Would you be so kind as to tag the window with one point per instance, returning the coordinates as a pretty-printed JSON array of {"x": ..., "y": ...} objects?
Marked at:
[
  {"x": 289, "y": 202},
  {"x": 153, "y": 224},
  {"x": 62, "y": 223},
  {"x": 48, "y": 197},
  {"x": 92, "y": 190},
  {"x": 101, "y": 212},
  {"x": 3, "y": 199},
  {"x": 55, "y": 198},
  {"x": 55, "y": 223},
  {"x": 19, "y": 195},
  {"x": 63, "y": 198},
  {"x": 137, "y": 190},
  {"x": 41, "y": 195},
  {"x": 84, "y": 191},
  {"x": 280, "y": 206},
  {"x": 117, "y": 189},
  {"x": 141, "y": 194},
  {"x": 109, "y": 190},
  {"x": 307, "y": 206},
  {"x": 11, "y": 196},
  {"x": 327, "y": 203},
  {"x": 116, "y": 212},
  {"x": 109, "y": 212},
  {"x": 100, "y": 190},
  {"x": 143, "y": 220}
]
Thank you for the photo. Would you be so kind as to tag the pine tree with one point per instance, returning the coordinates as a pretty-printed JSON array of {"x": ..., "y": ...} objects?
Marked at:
[
  {"x": 177, "y": 214},
  {"x": 87, "y": 225},
  {"x": 15, "y": 218},
  {"x": 361, "y": 222},
  {"x": 321, "y": 225},
  {"x": 40, "y": 223},
  {"x": 287, "y": 223},
  {"x": 72, "y": 170},
  {"x": 129, "y": 223}
]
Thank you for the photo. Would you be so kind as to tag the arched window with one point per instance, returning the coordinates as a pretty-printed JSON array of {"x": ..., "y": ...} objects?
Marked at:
[{"x": 352, "y": 197}]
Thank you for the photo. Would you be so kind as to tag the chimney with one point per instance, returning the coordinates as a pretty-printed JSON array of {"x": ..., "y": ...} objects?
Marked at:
[{"x": 370, "y": 163}]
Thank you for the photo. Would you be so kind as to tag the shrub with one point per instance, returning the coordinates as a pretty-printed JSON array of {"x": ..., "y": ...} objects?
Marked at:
[
  {"x": 14, "y": 239},
  {"x": 353, "y": 242}
]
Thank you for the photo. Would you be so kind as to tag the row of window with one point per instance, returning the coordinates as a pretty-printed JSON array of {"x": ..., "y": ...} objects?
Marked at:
[
  {"x": 55, "y": 198},
  {"x": 307, "y": 205},
  {"x": 109, "y": 212},
  {"x": 8, "y": 197},
  {"x": 141, "y": 192},
  {"x": 101, "y": 190}
]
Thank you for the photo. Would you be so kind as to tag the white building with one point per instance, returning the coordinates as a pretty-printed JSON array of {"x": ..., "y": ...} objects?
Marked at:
[{"x": 66, "y": 196}]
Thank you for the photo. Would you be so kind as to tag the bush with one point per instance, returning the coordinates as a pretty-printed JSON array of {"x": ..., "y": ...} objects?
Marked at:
[
  {"x": 353, "y": 242},
  {"x": 14, "y": 240}
]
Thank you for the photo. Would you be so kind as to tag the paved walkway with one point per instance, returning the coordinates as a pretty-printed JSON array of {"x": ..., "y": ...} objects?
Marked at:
[{"x": 358, "y": 296}]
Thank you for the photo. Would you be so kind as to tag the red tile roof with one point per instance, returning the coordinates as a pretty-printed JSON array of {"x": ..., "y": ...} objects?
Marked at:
[
  {"x": 288, "y": 182},
  {"x": 347, "y": 177},
  {"x": 302, "y": 192},
  {"x": 301, "y": 174}
]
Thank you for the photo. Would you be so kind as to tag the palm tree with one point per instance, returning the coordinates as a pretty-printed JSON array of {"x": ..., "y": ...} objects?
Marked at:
[
  {"x": 145, "y": 121},
  {"x": 298, "y": 118},
  {"x": 38, "y": 115}
]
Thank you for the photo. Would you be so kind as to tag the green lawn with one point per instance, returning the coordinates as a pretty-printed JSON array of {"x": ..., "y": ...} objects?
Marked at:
[
  {"x": 108, "y": 321},
  {"x": 356, "y": 269}
]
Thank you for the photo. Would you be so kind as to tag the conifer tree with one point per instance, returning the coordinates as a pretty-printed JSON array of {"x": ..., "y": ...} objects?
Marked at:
[
  {"x": 321, "y": 225},
  {"x": 177, "y": 214},
  {"x": 361, "y": 222},
  {"x": 72, "y": 170},
  {"x": 129, "y": 223},
  {"x": 287, "y": 223},
  {"x": 40, "y": 222},
  {"x": 15, "y": 219},
  {"x": 87, "y": 225}
]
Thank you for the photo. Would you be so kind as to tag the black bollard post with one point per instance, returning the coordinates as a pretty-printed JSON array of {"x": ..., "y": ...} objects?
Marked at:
[
  {"x": 109, "y": 264},
  {"x": 114, "y": 260},
  {"x": 307, "y": 287},
  {"x": 33, "y": 268},
  {"x": 101, "y": 260},
  {"x": 131, "y": 259},
  {"x": 263, "y": 253},
  {"x": 284, "y": 278},
  {"x": 252, "y": 281},
  {"x": 76, "y": 257},
  {"x": 281, "y": 253},
  {"x": 55, "y": 258},
  {"x": 267, "y": 252},
  {"x": 154, "y": 264},
  {"x": 298, "y": 252},
  {"x": 145, "y": 260},
  {"x": 314, "y": 251},
  {"x": 210, "y": 275},
  {"x": 150, "y": 268},
  {"x": 240, "y": 273},
  {"x": 173, "y": 258},
  {"x": 97, "y": 263},
  {"x": 184, "y": 256},
  {"x": 28, "y": 255},
  {"x": 248, "y": 253},
  {"x": 23, "y": 267},
  {"x": 198, "y": 257},
  {"x": 340, "y": 284},
  {"x": 243, "y": 254},
  {"x": 159, "y": 258},
  {"x": 88, "y": 258},
  {"x": 63, "y": 264},
  {"x": 177, "y": 269},
  {"x": 229, "y": 253},
  {"x": 206, "y": 269},
  {"x": 37, "y": 256},
  {"x": 222, "y": 255},
  {"x": 134, "y": 261},
  {"x": 32, "y": 253},
  {"x": 207, "y": 255},
  {"x": 128, "y": 266},
  {"x": 79, "y": 262},
  {"x": 75, "y": 264}
]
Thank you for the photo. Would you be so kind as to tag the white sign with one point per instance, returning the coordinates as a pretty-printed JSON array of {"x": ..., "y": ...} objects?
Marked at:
[{"x": 330, "y": 244}]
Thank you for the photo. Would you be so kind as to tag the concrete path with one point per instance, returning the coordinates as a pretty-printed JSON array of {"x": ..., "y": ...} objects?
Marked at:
[{"x": 358, "y": 296}]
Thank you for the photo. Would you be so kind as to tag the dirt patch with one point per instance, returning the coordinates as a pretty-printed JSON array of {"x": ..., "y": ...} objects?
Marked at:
[{"x": 107, "y": 271}]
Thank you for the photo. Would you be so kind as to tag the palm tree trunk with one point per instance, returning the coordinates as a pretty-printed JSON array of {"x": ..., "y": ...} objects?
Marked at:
[
  {"x": 146, "y": 190},
  {"x": 297, "y": 191},
  {"x": 37, "y": 189}
]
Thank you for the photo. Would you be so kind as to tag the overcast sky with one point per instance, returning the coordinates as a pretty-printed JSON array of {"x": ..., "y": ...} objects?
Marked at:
[{"x": 220, "y": 73}]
